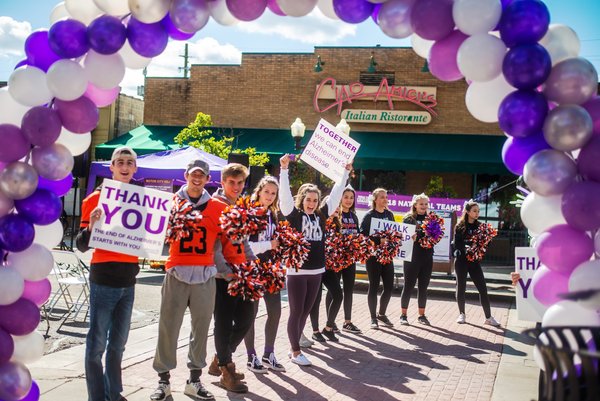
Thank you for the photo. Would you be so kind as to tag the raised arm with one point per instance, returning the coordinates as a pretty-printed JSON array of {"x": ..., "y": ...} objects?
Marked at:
[
  {"x": 286, "y": 201},
  {"x": 337, "y": 191}
]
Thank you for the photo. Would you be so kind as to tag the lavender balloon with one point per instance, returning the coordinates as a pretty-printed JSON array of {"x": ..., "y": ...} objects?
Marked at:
[
  {"x": 588, "y": 161},
  {"x": 18, "y": 180},
  {"x": 442, "y": 57},
  {"x": 52, "y": 162},
  {"x": 59, "y": 187},
  {"x": 524, "y": 22},
  {"x": 563, "y": 248},
  {"x": 78, "y": 116},
  {"x": 549, "y": 172},
  {"x": 547, "y": 284},
  {"x": 41, "y": 126},
  {"x": 572, "y": 81},
  {"x": 246, "y": 10},
  {"x": 189, "y": 15},
  {"x": 526, "y": 66},
  {"x": 37, "y": 292},
  {"x": 172, "y": 30},
  {"x": 15, "y": 381},
  {"x": 147, "y": 40},
  {"x": 68, "y": 38},
  {"x": 522, "y": 113},
  {"x": 16, "y": 234},
  {"x": 394, "y": 18},
  {"x": 106, "y": 34},
  {"x": 581, "y": 205},
  {"x": 41, "y": 208},
  {"x": 38, "y": 50},
  {"x": 353, "y": 11},
  {"x": 13, "y": 144},
  {"x": 7, "y": 346},
  {"x": 516, "y": 151},
  {"x": 568, "y": 127},
  {"x": 432, "y": 19}
]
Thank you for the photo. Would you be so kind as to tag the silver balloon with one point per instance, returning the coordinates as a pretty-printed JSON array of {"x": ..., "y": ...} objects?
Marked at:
[
  {"x": 597, "y": 243},
  {"x": 18, "y": 180},
  {"x": 6, "y": 204},
  {"x": 394, "y": 18},
  {"x": 573, "y": 81},
  {"x": 15, "y": 381},
  {"x": 52, "y": 162},
  {"x": 568, "y": 127},
  {"x": 549, "y": 172}
]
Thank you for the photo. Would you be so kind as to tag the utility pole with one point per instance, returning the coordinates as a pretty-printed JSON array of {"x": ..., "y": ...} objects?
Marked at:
[{"x": 185, "y": 67}]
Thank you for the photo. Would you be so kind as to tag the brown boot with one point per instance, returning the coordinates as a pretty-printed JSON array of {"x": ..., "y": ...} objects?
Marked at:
[
  {"x": 229, "y": 381},
  {"x": 213, "y": 369}
]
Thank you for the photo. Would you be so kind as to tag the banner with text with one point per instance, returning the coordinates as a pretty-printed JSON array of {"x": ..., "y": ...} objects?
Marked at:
[
  {"x": 401, "y": 203},
  {"x": 134, "y": 219},
  {"x": 407, "y": 230},
  {"x": 329, "y": 150},
  {"x": 526, "y": 263}
]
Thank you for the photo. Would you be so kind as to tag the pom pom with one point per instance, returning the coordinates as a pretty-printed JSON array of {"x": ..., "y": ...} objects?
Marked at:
[
  {"x": 246, "y": 281},
  {"x": 389, "y": 248},
  {"x": 243, "y": 219},
  {"x": 479, "y": 242},
  {"x": 183, "y": 220},
  {"x": 343, "y": 250},
  {"x": 293, "y": 247},
  {"x": 433, "y": 230},
  {"x": 273, "y": 276}
]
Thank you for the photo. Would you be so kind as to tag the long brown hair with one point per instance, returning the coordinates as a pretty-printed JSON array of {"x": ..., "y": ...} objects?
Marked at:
[
  {"x": 462, "y": 221},
  {"x": 376, "y": 192},
  {"x": 302, "y": 191},
  {"x": 413, "y": 205},
  {"x": 352, "y": 208},
  {"x": 267, "y": 179}
]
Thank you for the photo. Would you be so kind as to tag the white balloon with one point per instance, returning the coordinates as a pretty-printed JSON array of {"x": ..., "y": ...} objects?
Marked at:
[
  {"x": 587, "y": 277},
  {"x": 540, "y": 213},
  {"x": 597, "y": 243},
  {"x": 570, "y": 313},
  {"x": 50, "y": 235},
  {"x": 104, "y": 71},
  {"x": 220, "y": 13},
  {"x": 561, "y": 42},
  {"x": 421, "y": 46},
  {"x": 132, "y": 59},
  {"x": 27, "y": 85},
  {"x": 476, "y": 16},
  {"x": 149, "y": 11},
  {"x": 12, "y": 111},
  {"x": 76, "y": 143},
  {"x": 537, "y": 357},
  {"x": 295, "y": 8},
  {"x": 59, "y": 12},
  {"x": 483, "y": 98},
  {"x": 11, "y": 285},
  {"x": 326, "y": 7},
  {"x": 479, "y": 58},
  {"x": 33, "y": 264},
  {"x": 113, "y": 7},
  {"x": 66, "y": 80},
  {"x": 83, "y": 10},
  {"x": 28, "y": 348}
]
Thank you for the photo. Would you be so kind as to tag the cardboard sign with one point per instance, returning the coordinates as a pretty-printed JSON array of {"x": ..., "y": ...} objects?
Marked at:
[
  {"x": 329, "y": 150},
  {"x": 134, "y": 219},
  {"x": 407, "y": 230},
  {"x": 526, "y": 263}
]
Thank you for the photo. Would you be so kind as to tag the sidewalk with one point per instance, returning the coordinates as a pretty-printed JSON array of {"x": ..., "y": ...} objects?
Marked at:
[{"x": 446, "y": 361}]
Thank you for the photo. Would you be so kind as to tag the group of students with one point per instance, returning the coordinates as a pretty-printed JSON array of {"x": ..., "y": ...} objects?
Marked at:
[{"x": 198, "y": 269}]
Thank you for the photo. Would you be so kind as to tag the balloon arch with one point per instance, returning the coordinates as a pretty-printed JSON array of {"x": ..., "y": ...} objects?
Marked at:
[{"x": 523, "y": 73}]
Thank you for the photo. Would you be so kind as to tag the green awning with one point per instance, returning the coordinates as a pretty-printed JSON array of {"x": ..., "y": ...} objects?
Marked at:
[{"x": 379, "y": 150}]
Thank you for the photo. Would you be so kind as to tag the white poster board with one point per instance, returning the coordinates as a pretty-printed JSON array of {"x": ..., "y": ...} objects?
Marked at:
[
  {"x": 441, "y": 250},
  {"x": 134, "y": 219},
  {"x": 329, "y": 150},
  {"x": 407, "y": 230},
  {"x": 526, "y": 263}
]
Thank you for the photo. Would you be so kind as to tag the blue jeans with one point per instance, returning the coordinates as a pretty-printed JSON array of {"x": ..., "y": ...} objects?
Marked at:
[{"x": 110, "y": 318}]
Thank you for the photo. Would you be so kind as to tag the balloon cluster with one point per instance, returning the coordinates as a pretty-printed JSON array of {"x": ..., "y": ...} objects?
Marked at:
[
  {"x": 293, "y": 247},
  {"x": 390, "y": 246},
  {"x": 342, "y": 250},
  {"x": 183, "y": 220},
  {"x": 246, "y": 281},
  {"x": 480, "y": 239},
  {"x": 243, "y": 219},
  {"x": 433, "y": 230}
]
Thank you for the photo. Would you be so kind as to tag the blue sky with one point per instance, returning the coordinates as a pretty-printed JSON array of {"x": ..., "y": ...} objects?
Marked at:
[{"x": 218, "y": 44}]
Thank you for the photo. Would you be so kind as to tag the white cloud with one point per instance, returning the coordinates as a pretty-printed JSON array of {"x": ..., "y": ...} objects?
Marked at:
[
  {"x": 12, "y": 36},
  {"x": 314, "y": 29}
]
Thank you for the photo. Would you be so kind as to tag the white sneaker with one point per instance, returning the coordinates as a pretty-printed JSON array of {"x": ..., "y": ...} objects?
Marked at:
[
  {"x": 492, "y": 322},
  {"x": 300, "y": 359},
  {"x": 197, "y": 391},
  {"x": 461, "y": 319},
  {"x": 305, "y": 342},
  {"x": 162, "y": 392}
]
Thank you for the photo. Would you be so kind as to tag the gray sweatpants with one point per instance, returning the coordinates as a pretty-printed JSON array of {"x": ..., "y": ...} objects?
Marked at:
[{"x": 176, "y": 297}]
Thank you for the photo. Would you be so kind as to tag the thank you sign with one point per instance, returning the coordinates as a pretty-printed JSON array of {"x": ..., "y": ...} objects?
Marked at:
[
  {"x": 526, "y": 263},
  {"x": 407, "y": 230},
  {"x": 134, "y": 219}
]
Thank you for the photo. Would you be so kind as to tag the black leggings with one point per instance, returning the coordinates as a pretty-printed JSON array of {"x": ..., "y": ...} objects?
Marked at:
[
  {"x": 349, "y": 276},
  {"x": 378, "y": 272},
  {"x": 332, "y": 283},
  {"x": 461, "y": 268},
  {"x": 419, "y": 270}
]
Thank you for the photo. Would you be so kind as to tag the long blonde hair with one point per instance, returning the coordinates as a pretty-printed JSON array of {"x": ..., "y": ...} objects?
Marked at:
[
  {"x": 376, "y": 192},
  {"x": 267, "y": 179},
  {"x": 413, "y": 205}
]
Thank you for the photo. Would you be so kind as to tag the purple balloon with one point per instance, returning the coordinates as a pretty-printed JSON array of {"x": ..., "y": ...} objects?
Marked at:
[
  {"x": 148, "y": 40},
  {"x": 246, "y": 10},
  {"x": 524, "y": 22},
  {"x": 37, "y": 292},
  {"x": 593, "y": 107},
  {"x": 522, "y": 113},
  {"x": 580, "y": 205},
  {"x": 22, "y": 63},
  {"x": 547, "y": 284},
  {"x": 16, "y": 233},
  {"x": 42, "y": 207},
  {"x": 274, "y": 7},
  {"x": 41, "y": 126},
  {"x": 375, "y": 13},
  {"x": 7, "y": 346},
  {"x": 34, "y": 393},
  {"x": 106, "y": 34},
  {"x": 15, "y": 381},
  {"x": 172, "y": 30},
  {"x": 20, "y": 317},
  {"x": 68, "y": 38},
  {"x": 432, "y": 19},
  {"x": 526, "y": 66},
  {"x": 516, "y": 151},
  {"x": 588, "y": 161},
  {"x": 353, "y": 11},
  {"x": 59, "y": 187},
  {"x": 13, "y": 144},
  {"x": 39, "y": 51},
  {"x": 78, "y": 116},
  {"x": 562, "y": 248},
  {"x": 442, "y": 57}
]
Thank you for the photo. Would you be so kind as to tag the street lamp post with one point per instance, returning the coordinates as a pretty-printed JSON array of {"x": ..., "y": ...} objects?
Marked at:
[{"x": 298, "y": 129}]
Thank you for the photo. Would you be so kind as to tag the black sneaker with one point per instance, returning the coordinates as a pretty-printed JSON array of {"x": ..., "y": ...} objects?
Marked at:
[
  {"x": 162, "y": 392},
  {"x": 330, "y": 335},
  {"x": 374, "y": 324},
  {"x": 335, "y": 328},
  {"x": 383, "y": 319},
  {"x": 197, "y": 391},
  {"x": 351, "y": 328},
  {"x": 254, "y": 365},
  {"x": 404, "y": 320},
  {"x": 318, "y": 337},
  {"x": 423, "y": 320}
]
